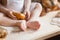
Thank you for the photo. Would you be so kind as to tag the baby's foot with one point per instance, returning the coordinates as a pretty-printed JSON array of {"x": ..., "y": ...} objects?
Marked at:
[
  {"x": 36, "y": 6},
  {"x": 33, "y": 25},
  {"x": 22, "y": 25}
]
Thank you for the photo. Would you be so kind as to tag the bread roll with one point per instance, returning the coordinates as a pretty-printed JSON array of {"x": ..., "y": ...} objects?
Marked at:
[
  {"x": 3, "y": 33},
  {"x": 19, "y": 16}
]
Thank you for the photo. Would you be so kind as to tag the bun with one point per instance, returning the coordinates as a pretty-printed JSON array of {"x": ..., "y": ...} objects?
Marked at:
[
  {"x": 19, "y": 16},
  {"x": 3, "y": 33}
]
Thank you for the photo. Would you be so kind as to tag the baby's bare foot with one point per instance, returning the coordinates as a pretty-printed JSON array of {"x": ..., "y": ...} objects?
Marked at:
[
  {"x": 33, "y": 25},
  {"x": 36, "y": 6},
  {"x": 22, "y": 25}
]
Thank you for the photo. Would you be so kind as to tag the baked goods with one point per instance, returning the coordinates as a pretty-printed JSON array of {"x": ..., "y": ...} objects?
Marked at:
[
  {"x": 46, "y": 3},
  {"x": 48, "y": 6},
  {"x": 19, "y": 16},
  {"x": 43, "y": 12},
  {"x": 3, "y": 33}
]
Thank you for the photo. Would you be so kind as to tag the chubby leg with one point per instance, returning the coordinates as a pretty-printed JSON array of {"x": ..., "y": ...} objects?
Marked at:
[
  {"x": 5, "y": 21},
  {"x": 33, "y": 25},
  {"x": 35, "y": 9}
]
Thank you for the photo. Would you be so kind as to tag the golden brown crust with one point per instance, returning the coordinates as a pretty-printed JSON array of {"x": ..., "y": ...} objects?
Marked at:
[
  {"x": 43, "y": 12},
  {"x": 3, "y": 33},
  {"x": 46, "y": 3},
  {"x": 48, "y": 6},
  {"x": 20, "y": 16}
]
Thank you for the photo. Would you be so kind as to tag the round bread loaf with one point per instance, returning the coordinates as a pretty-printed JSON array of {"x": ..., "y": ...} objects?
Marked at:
[
  {"x": 3, "y": 33},
  {"x": 19, "y": 16}
]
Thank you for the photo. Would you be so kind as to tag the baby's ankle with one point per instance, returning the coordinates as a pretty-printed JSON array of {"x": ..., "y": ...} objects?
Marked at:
[{"x": 22, "y": 25}]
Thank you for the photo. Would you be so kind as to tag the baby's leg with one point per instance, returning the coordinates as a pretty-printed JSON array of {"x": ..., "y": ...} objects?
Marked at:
[
  {"x": 5, "y": 21},
  {"x": 36, "y": 9},
  {"x": 33, "y": 25}
]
